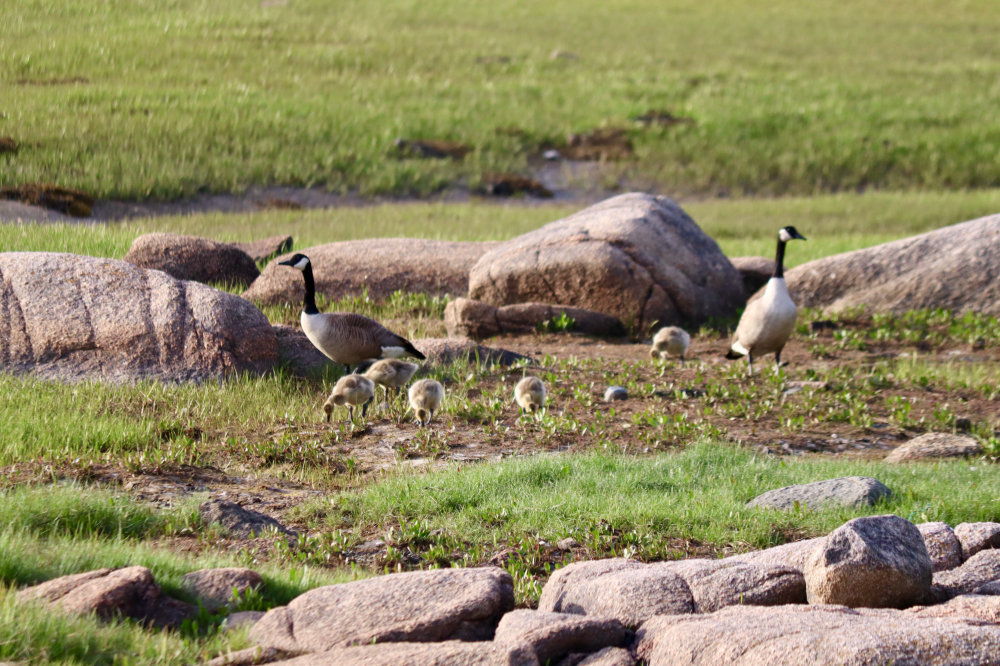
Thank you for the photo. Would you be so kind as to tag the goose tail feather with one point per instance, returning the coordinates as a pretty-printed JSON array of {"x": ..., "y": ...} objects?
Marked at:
[{"x": 413, "y": 351}]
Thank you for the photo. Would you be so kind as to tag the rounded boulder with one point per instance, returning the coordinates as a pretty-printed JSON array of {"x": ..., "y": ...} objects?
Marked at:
[{"x": 636, "y": 256}]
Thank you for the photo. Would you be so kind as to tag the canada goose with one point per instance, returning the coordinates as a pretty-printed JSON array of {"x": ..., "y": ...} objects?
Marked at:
[
  {"x": 767, "y": 322},
  {"x": 345, "y": 338},
  {"x": 350, "y": 390},
  {"x": 425, "y": 399},
  {"x": 670, "y": 340},
  {"x": 530, "y": 394}
]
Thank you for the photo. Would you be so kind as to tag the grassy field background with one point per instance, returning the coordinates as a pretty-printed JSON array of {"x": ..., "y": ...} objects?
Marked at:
[
  {"x": 163, "y": 99},
  {"x": 742, "y": 227}
]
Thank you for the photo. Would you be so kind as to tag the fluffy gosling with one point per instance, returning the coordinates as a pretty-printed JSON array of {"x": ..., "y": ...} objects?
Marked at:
[
  {"x": 672, "y": 341},
  {"x": 391, "y": 373},
  {"x": 350, "y": 390},
  {"x": 425, "y": 399},
  {"x": 530, "y": 394}
]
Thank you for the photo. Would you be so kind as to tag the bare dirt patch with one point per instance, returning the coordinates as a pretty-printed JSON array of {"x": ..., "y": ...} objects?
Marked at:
[{"x": 66, "y": 200}]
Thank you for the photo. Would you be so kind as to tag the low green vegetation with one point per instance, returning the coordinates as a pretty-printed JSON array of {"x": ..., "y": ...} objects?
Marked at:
[
  {"x": 34, "y": 634},
  {"x": 660, "y": 507},
  {"x": 742, "y": 227},
  {"x": 64, "y": 528},
  {"x": 151, "y": 99}
]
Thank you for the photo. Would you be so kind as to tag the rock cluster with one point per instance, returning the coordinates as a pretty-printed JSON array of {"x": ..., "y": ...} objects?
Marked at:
[
  {"x": 376, "y": 267},
  {"x": 109, "y": 593},
  {"x": 865, "y": 593},
  {"x": 70, "y": 317}
]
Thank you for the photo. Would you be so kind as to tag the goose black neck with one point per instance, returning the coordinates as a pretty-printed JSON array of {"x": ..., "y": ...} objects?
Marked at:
[
  {"x": 779, "y": 260},
  {"x": 309, "y": 305}
]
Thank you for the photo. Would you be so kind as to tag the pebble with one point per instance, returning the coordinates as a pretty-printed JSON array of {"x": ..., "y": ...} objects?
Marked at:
[{"x": 615, "y": 393}]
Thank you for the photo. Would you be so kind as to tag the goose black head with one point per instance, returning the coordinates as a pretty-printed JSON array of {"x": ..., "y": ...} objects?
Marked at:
[
  {"x": 298, "y": 260},
  {"x": 788, "y": 233}
]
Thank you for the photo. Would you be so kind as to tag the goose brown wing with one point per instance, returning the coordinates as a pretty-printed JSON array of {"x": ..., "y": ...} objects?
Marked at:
[{"x": 373, "y": 336}]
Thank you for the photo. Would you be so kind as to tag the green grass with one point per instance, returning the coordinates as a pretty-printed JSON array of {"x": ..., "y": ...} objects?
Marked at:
[
  {"x": 649, "y": 508},
  {"x": 56, "y": 530},
  {"x": 31, "y": 633},
  {"x": 141, "y": 424},
  {"x": 696, "y": 494},
  {"x": 833, "y": 223},
  {"x": 152, "y": 99}
]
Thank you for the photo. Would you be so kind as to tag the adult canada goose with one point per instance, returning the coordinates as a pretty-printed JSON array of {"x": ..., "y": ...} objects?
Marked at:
[
  {"x": 530, "y": 394},
  {"x": 767, "y": 322},
  {"x": 670, "y": 340},
  {"x": 425, "y": 399},
  {"x": 350, "y": 390},
  {"x": 345, "y": 338}
]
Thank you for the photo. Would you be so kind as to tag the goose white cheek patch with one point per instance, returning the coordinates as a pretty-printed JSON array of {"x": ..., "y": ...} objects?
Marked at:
[{"x": 301, "y": 263}]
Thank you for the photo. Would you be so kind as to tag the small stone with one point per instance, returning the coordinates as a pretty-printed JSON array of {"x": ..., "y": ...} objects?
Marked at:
[
  {"x": 715, "y": 584},
  {"x": 109, "y": 593},
  {"x": 942, "y": 545},
  {"x": 554, "y": 635},
  {"x": 794, "y": 554},
  {"x": 977, "y": 536},
  {"x": 981, "y": 569},
  {"x": 245, "y": 523},
  {"x": 248, "y": 657},
  {"x": 218, "y": 588},
  {"x": 853, "y": 491},
  {"x": 568, "y": 543},
  {"x": 626, "y": 590},
  {"x": 241, "y": 619},
  {"x": 935, "y": 445},
  {"x": 614, "y": 393}
]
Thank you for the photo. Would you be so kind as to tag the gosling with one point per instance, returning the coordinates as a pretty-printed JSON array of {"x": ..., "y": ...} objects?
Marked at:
[
  {"x": 391, "y": 373},
  {"x": 670, "y": 340},
  {"x": 530, "y": 394},
  {"x": 350, "y": 390},
  {"x": 425, "y": 399}
]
